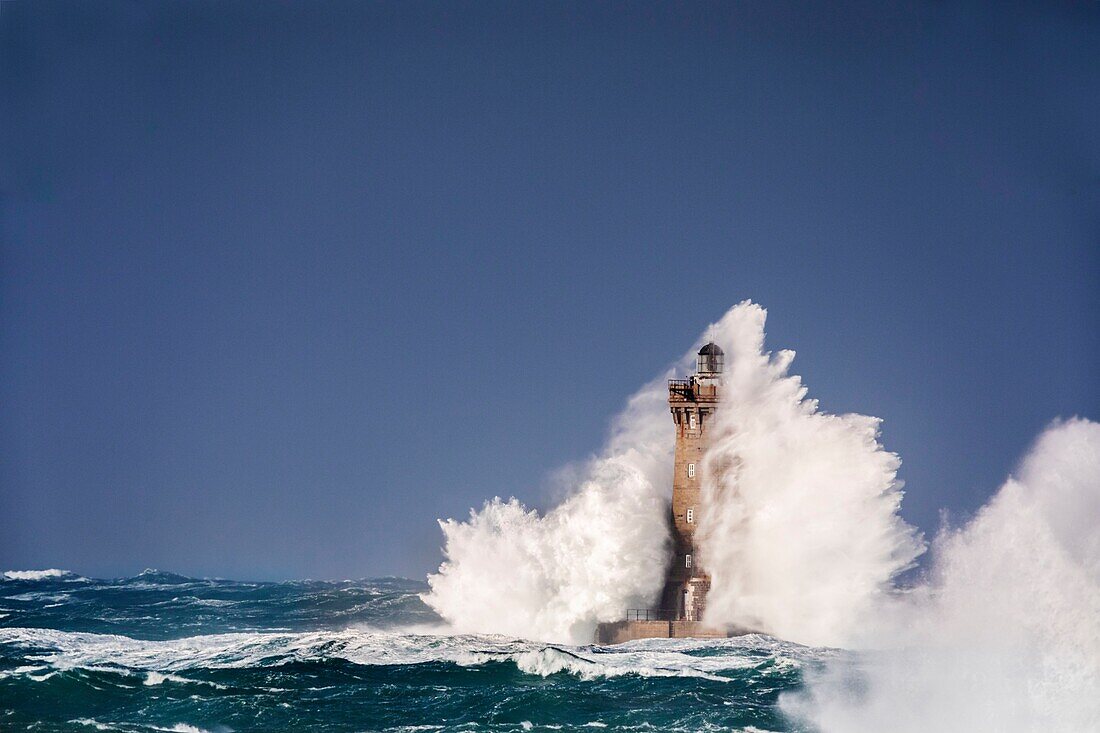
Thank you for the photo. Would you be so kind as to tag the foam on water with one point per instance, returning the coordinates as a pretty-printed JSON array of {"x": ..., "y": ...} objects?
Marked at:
[
  {"x": 137, "y": 728},
  {"x": 160, "y": 661}
]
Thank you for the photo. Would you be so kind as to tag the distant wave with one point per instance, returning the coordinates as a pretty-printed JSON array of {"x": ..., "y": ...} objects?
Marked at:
[
  {"x": 40, "y": 574},
  {"x": 177, "y": 728}
]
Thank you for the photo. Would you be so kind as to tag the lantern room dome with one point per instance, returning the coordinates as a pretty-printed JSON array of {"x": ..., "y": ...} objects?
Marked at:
[{"x": 710, "y": 361}]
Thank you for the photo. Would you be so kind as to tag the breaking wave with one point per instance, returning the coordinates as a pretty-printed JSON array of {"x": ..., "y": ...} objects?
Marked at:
[
  {"x": 799, "y": 525},
  {"x": 1006, "y": 634},
  {"x": 509, "y": 570}
]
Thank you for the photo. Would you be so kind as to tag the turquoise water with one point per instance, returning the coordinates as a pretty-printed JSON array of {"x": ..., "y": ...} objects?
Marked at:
[{"x": 163, "y": 652}]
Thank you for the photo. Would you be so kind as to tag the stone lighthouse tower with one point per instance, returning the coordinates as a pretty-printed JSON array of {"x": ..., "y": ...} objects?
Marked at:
[
  {"x": 692, "y": 402},
  {"x": 684, "y": 597}
]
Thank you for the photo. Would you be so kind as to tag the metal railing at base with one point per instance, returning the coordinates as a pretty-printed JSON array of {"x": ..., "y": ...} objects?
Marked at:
[{"x": 650, "y": 614}]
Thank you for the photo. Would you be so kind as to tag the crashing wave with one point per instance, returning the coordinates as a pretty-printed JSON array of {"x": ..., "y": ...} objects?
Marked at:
[
  {"x": 1006, "y": 635},
  {"x": 799, "y": 524}
]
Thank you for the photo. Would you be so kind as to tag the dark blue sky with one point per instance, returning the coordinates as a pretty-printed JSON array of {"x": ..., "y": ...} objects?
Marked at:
[{"x": 284, "y": 282}]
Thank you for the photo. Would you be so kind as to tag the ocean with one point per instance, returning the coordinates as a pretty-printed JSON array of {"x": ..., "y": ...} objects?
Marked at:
[{"x": 163, "y": 652}]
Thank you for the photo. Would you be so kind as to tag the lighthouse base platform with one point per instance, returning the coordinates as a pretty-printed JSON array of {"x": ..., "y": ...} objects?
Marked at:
[{"x": 618, "y": 632}]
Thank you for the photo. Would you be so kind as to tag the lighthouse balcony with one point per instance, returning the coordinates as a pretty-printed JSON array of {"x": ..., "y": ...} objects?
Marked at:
[{"x": 691, "y": 390}]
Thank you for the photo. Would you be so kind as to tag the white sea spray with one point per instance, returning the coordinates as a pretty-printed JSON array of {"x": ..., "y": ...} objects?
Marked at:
[
  {"x": 1006, "y": 634},
  {"x": 509, "y": 570},
  {"x": 799, "y": 526}
]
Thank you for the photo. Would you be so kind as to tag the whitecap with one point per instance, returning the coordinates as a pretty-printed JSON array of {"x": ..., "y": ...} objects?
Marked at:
[
  {"x": 38, "y": 574},
  {"x": 157, "y": 678},
  {"x": 39, "y": 596},
  {"x": 94, "y": 723},
  {"x": 27, "y": 670}
]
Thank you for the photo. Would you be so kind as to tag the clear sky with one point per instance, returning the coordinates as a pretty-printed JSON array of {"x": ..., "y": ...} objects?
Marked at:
[{"x": 282, "y": 283}]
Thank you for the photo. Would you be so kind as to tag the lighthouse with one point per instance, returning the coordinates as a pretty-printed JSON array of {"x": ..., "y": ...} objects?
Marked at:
[
  {"x": 692, "y": 402},
  {"x": 683, "y": 599}
]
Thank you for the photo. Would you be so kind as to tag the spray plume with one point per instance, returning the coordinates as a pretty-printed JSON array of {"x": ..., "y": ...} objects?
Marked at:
[
  {"x": 1006, "y": 634},
  {"x": 799, "y": 527},
  {"x": 508, "y": 570}
]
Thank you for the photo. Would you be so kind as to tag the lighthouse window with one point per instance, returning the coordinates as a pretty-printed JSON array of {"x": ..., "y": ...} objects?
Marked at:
[
  {"x": 691, "y": 470},
  {"x": 687, "y": 561},
  {"x": 691, "y": 517},
  {"x": 693, "y": 420}
]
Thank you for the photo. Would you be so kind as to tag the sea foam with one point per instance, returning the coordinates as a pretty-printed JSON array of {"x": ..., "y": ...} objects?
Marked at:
[{"x": 163, "y": 661}]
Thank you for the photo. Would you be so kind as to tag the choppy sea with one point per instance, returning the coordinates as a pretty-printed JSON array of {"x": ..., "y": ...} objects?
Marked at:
[{"x": 163, "y": 652}]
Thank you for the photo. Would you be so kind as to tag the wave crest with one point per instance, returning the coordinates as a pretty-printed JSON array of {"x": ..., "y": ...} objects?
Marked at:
[{"x": 39, "y": 574}]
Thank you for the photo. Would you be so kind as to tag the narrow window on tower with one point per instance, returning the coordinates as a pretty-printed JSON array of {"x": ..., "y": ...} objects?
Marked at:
[
  {"x": 687, "y": 561},
  {"x": 691, "y": 516},
  {"x": 693, "y": 420},
  {"x": 691, "y": 470}
]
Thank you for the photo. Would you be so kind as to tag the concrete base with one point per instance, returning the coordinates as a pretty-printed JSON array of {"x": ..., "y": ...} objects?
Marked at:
[{"x": 617, "y": 632}]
